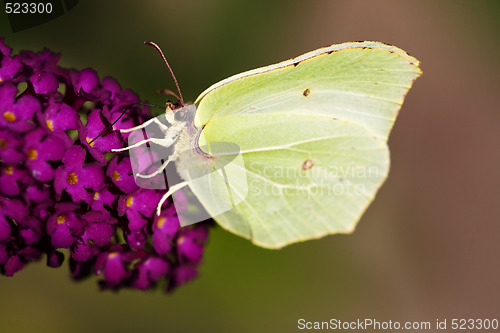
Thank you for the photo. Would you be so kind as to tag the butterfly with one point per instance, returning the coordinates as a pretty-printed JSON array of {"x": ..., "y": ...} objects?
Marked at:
[{"x": 284, "y": 153}]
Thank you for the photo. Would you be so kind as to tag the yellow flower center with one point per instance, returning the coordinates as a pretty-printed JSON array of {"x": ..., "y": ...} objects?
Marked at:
[
  {"x": 130, "y": 201},
  {"x": 96, "y": 196},
  {"x": 161, "y": 222},
  {"x": 50, "y": 125},
  {"x": 180, "y": 240},
  {"x": 116, "y": 176},
  {"x": 3, "y": 143},
  {"x": 112, "y": 255},
  {"x": 61, "y": 219},
  {"x": 32, "y": 154},
  {"x": 9, "y": 116},
  {"x": 8, "y": 169},
  {"x": 89, "y": 142},
  {"x": 72, "y": 179}
]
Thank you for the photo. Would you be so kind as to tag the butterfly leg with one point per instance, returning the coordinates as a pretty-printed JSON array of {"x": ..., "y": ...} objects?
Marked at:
[
  {"x": 127, "y": 130},
  {"x": 150, "y": 121},
  {"x": 162, "y": 142},
  {"x": 160, "y": 169},
  {"x": 171, "y": 190}
]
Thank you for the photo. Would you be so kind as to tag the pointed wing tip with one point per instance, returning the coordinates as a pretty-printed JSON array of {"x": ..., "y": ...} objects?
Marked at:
[{"x": 389, "y": 47}]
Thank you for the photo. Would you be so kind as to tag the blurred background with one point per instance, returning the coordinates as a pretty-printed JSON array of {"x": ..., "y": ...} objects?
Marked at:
[{"x": 426, "y": 249}]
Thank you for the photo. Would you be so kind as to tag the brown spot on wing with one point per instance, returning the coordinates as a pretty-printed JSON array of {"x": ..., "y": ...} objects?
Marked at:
[
  {"x": 308, "y": 164},
  {"x": 306, "y": 92}
]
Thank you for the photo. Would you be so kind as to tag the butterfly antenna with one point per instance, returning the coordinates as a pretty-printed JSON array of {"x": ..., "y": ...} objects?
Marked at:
[
  {"x": 121, "y": 115},
  {"x": 169, "y": 68}
]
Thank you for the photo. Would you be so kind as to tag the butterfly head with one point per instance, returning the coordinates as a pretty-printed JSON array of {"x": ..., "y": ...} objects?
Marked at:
[
  {"x": 181, "y": 119},
  {"x": 181, "y": 115},
  {"x": 185, "y": 114}
]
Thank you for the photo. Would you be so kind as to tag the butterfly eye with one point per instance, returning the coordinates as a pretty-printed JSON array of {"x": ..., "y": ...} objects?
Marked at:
[{"x": 180, "y": 115}]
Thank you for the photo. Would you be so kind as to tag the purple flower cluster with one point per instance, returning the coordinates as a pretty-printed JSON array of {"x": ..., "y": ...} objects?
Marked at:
[{"x": 61, "y": 190}]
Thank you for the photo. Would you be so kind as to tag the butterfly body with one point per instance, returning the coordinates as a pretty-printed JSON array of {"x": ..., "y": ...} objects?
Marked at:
[{"x": 190, "y": 156}]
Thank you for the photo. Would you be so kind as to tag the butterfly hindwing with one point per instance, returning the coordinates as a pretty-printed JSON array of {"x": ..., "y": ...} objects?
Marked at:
[{"x": 307, "y": 176}]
